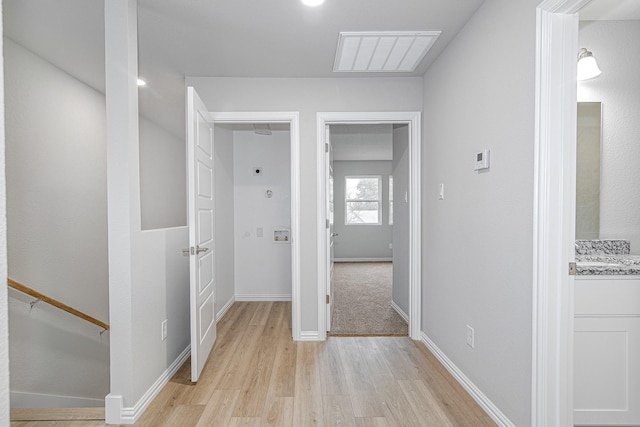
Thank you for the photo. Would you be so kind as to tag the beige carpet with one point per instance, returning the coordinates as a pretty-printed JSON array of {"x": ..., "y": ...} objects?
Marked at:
[{"x": 362, "y": 300}]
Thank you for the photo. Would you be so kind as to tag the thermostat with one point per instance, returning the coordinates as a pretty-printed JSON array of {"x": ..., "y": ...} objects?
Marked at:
[{"x": 482, "y": 160}]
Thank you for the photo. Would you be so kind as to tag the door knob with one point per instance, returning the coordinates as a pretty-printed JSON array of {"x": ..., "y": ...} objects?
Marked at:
[
  {"x": 334, "y": 234},
  {"x": 199, "y": 249}
]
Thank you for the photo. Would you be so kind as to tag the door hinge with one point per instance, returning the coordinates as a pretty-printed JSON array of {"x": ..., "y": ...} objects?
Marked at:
[
  {"x": 327, "y": 222},
  {"x": 572, "y": 269},
  {"x": 326, "y": 147},
  {"x": 328, "y": 299}
]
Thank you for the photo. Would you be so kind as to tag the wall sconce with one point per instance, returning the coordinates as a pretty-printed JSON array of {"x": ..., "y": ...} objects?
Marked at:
[{"x": 587, "y": 65}]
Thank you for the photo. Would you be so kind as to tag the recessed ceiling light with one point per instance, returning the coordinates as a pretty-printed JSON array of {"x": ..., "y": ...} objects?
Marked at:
[
  {"x": 312, "y": 3},
  {"x": 141, "y": 82},
  {"x": 382, "y": 51}
]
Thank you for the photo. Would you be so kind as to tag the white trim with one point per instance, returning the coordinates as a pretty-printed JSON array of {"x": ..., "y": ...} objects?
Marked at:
[
  {"x": 412, "y": 118},
  {"x": 116, "y": 413},
  {"x": 309, "y": 336},
  {"x": 363, "y": 260},
  {"x": 220, "y": 314},
  {"x": 293, "y": 118},
  {"x": 554, "y": 212},
  {"x": 485, "y": 403},
  {"x": 400, "y": 311},
  {"x": 263, "y": 297}
]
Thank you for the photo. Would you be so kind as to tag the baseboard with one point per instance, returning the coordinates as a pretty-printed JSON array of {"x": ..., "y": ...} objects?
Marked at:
[
  {"x": 23, "y": 399},
  {"x": 487, "y": 405},
  {"x": 115, "y": 413},
  {"x": 263, "y": 297},
  {"x": 400, "y": 311},
  {"x": 224, "y": 309},
  {"x": 363, "y": 260},
  {"x": 309, "y": 336}
]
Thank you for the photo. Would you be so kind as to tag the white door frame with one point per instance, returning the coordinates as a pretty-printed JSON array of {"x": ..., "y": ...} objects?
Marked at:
[
  {"x": 293, "y": 119},
  {"x": 413, "y": 120},
  {"x": 554, "y": 212}
]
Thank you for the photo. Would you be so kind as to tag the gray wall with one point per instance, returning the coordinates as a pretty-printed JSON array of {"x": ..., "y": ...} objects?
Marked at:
[
  {"x": 309, "y": 96},
  {"x": 57, "y": 237},
  {"x": 400, "y": 294},
  {"x": 224, "y": 226},
  {"x": 163, "y": 177},
  {"x": 361, "y": 241},
  {"x": 477, "y": 242}
]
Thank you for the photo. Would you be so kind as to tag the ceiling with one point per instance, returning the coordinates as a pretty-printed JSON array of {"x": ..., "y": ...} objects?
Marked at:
[{"x": 240, "y": 38}]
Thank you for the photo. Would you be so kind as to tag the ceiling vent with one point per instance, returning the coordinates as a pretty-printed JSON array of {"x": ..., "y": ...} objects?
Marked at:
[{"x": 382, "y": 51}]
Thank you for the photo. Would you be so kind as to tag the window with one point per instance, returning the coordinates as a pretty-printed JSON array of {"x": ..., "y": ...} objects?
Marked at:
[
  {"x": 363, "y": 200},
  {"x": 390, "y": 199}
]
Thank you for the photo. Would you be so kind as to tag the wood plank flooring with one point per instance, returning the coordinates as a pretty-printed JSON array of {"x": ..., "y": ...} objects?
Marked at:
[{"x": 257, "y": 376}]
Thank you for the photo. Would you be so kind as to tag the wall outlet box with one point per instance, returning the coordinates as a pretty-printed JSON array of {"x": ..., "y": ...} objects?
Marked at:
[
  {"x": 163, "y": 328},
  {"x": 471, "y": 337},
  {"x": 482, "y": 160}
]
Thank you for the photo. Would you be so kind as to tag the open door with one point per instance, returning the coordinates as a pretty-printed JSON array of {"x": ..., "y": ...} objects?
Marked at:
[
  {"x": 330, "y": 232},
  {"x": 201, "y": 223}
]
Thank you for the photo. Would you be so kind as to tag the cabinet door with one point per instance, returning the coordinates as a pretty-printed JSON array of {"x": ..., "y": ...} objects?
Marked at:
[{"x": 607, "y": 370}]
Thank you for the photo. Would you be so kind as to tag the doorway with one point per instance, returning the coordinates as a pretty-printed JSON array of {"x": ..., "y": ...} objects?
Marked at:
[
  {"x": 280, "y": 236},
  {"x": 370, "y": 240},
  {"x": 411, "y": 121}
]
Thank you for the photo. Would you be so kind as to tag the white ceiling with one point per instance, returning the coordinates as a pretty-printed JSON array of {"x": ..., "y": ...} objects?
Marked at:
[
  {"x": 611, "y": 10},
  {"x": 242, "y": 38}
]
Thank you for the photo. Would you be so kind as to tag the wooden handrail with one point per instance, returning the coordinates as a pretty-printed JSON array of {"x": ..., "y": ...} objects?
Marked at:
[{"x": 42, "y": 297}]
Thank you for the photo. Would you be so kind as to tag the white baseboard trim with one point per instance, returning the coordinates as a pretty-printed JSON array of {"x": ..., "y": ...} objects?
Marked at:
[
  {"x": 115, "y": 413},
  {"x": 309, "y": 336},
  {"x": 400, "y": 311},
  {"x": 263, "y": 297},
  {"x": 24, "y": 399},
  {"x": 487, "y": 405},
  {"x": 363, "y": 260},
  {"x": 224, "y": 309}
]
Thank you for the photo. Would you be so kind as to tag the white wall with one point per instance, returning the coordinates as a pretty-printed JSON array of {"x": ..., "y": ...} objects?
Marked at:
[
  {"x": 400, "y": 235},
  {"x": 615, "y": 45},
  {"x": 148, "y": 275},
  {"x": 224, "y": 217},
  {"x": 361, "y": 241},
  {"x": 163, "y": 177},
  {"x": 477, "y": 242},
  {"x": 57, "y": 239},
  {"x": 309, "y": 96},
  {"x": 262, "y": 267},
  {"x": 4, "y": 339}
]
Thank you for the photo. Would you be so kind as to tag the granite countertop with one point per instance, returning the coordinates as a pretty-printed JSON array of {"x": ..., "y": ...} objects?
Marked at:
[{"x": 607, "y": 264}]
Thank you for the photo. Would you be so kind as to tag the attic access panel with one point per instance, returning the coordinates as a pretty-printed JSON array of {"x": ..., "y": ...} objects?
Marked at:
[{"x": 382, "y": 51}]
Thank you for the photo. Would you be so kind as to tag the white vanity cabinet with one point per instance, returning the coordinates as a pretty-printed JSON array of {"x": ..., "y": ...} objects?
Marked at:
[{"x": 607, "y": 351}]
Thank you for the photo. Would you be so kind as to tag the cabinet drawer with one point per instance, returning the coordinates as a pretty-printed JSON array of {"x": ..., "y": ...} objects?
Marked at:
[{"x": 607, "y": 296}]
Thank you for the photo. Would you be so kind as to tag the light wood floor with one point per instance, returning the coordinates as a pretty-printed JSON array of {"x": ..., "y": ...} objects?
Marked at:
[{"x": 257, "y": 376}]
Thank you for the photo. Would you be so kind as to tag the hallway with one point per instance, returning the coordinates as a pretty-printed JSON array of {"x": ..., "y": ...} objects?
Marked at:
[{"x": 257, "y": 376}]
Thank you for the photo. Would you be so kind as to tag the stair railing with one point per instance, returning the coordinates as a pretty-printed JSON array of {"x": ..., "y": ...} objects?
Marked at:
[{"x": 54, "y": 302}]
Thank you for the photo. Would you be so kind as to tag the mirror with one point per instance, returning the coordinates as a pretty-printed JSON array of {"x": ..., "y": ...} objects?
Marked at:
[{"x": 589, "y": 137}]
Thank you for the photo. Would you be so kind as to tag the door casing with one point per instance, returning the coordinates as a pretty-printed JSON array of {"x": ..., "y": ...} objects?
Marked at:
[{"x": 554, "y": 212}]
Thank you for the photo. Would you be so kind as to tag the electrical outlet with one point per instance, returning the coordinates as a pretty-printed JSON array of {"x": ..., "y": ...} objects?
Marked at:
[
  {"x": 471, "y": 337},
  {"x": 163, "y": 328}
]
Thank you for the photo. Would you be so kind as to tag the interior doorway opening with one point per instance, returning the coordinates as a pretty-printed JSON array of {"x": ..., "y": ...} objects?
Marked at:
[
  {"x": 369, "y": 241},
  {"x": 408, "y": 122}
]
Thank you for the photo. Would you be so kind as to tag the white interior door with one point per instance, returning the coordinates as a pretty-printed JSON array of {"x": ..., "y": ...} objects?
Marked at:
[
  {"x": 330, "y": 233},
  {"x": 201, "y": 223}
]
